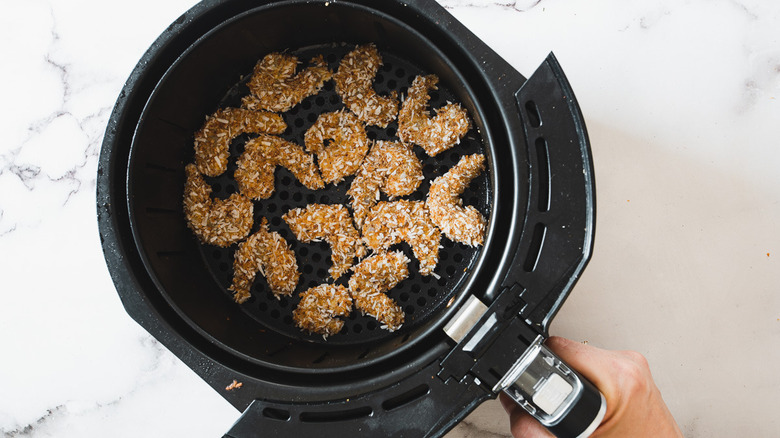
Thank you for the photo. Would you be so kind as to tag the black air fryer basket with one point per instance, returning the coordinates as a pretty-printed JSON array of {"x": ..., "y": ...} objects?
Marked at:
[{"x": 471, "y": 331}]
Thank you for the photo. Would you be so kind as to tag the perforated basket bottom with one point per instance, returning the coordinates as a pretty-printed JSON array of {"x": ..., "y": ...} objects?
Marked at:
[{"x": 419, "y": 296}]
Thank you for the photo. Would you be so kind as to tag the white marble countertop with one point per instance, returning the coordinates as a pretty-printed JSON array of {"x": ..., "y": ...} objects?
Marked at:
[{"x": 681, "y": 101}]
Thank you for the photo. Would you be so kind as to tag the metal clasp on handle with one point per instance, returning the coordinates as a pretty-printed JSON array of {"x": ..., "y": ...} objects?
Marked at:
[{"x": 541, "y": 383}]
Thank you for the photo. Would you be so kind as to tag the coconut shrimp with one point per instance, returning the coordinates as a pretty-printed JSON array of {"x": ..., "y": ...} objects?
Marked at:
[
  {"x": 267, "y": 252},
  {"x": 274, "y": 85},
  {"x": 389, "y": 223},
  {"x": 212, "y": 141},
  {"x": 348, "y": 144},
  {"x": 256, "y": 165},
  {"x": 320, "y": 307},
  {"x": 391, "y": 167},
  {"x": 415, "y": 124},
  {"x": 332, "y": 223},
  {"x": 354, "y": 83},
  {"x": 372, "y": 278},
  {"x": 219, "y": 222},
  {"x": 461, "y": 224}
]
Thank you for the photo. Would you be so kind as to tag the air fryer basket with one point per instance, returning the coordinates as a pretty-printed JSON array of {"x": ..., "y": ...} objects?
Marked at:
[{"x": 538, "y": 198}]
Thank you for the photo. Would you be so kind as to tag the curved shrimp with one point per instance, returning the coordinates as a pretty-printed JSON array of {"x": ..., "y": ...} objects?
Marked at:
[
  {"x": 389, "y": 223},
  {"x": 348, "y": 146},
  {"x": 391, "y": 167},
  {"x": 333, "y": 223},
  {"x": 320, "y": 307},
  {"x": 219, "y": 222},
  {"x": 269, "y": 253},
  {"x": 274, "y": 85},
  {"x": 461, "y": 224},
  {"x": 372, "y": 278},
  {"x": 212, "y": 141},
  {"x": 436, "y": 134},
  {"x": 354, "y": 83},
  {"x": 256, "y": 165}
]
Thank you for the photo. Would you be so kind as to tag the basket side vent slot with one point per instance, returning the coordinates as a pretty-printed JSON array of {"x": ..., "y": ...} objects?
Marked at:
[
  {"x": 533, "y": 114},
  {"x": 334, "y": 416},
  {"x": 543, "y": 165},
  {"x": 407, "y": 397},
  {"x": 276, "y": 414},
  {"x": 535, "y": 249}
]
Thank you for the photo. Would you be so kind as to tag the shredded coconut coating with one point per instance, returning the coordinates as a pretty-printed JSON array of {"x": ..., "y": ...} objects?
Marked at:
[
  {"x": 267, "y": 252},
  {"x": 461, "y": 224},
  {"x": 415, "y": 124},
  {"x": 212, "y": 141},
  {"x": 372, "y": 278},
  {"x": 391, "y": 167},
  {"x": 256, "y": 165},
  {"x": 320, "y": 307},
  {"x": 389, "y": 223},
  {"x": 354, "y": 82},
  {"x": 331, "y": 223},
  {"x": 274, "y": 85},
  {"x": 348, "y": 144},
  {"x": 220, "y": 222}
]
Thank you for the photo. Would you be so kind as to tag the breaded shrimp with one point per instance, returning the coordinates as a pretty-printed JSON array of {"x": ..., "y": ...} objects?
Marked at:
[
  {"x": 256, "y": 165},
  {"x": 389, "y": 223},
  {"x": 212, "y": 141},
  {"x": 390, "y": 166},
  {"x": 319, "y": 308},
  {"x": 436, "y": 134},
  {"x": 372, "y": 278},
  {"x": 348, "y": 144},
  {"x": 461, "y": 224},
  {"x": 333, "y": 223},
  {"x": 267, "y": 252},
  {"x": 354, "y": 82},
  {"x": 219, "y": 222},
  {"x": 274, "y": 85}
]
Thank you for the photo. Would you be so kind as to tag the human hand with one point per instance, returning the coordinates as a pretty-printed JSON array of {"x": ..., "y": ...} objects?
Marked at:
[{"x": 635, "y": 407}]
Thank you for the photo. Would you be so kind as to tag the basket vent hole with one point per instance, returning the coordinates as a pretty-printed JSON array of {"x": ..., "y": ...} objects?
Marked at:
[
  {"x": 371, "y": 325},
  {"x": 533, "y": 114},
  {"x": 407, "y": 397},
  {"x": 276, "y": 414},
  {"x": 404, "y": 297},
  {"x": 432, "y": 292}
]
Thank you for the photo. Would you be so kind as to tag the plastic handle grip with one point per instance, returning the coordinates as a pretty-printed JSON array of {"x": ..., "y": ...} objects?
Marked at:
[{"x": 560, "y": 398}]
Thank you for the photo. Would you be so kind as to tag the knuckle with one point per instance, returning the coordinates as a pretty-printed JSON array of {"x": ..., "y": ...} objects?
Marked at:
[{"x": 635, "y": 373}]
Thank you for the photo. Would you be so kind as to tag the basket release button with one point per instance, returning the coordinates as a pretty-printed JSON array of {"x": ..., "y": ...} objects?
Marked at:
[{"x": 552, "y": 393}]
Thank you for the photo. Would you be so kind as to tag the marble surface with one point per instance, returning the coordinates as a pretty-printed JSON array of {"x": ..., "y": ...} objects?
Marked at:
[{"x": 681, "y": 104}]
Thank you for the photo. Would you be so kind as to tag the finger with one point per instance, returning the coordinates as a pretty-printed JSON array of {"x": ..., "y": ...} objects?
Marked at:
[{"x": 521, "y": 423}]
